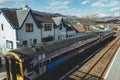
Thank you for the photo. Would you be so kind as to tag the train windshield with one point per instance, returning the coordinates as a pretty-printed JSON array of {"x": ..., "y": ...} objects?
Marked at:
[
  {"x": 18, "y": 68},
  {"x": 12, "y": 68}
]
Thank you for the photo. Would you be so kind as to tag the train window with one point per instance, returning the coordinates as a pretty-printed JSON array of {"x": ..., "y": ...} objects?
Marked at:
[
  {"x": 40, "y": 65},
  {"x": 44, "y": 63},
  {"x": 43, "y": 55},
  {"x": 48, "y": 61},
  {"x": 18, "y": 69},
  {"x": 30, "y": 67},
  {"x": 40, "y": 57}
]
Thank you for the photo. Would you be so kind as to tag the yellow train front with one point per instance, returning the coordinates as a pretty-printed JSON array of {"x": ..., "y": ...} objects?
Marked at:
[{"x": 22, "y": 64}]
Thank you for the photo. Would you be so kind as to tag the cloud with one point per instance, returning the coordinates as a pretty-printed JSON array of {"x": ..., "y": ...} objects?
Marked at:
[
  {"x": 13, "y": 2},
  {"x": 10, "y": 1},
  {"x": 115, "y": 9},
  {"x": 60, "y": 6},
  {"x": 85, "y": 2},
  {"x": 58, "y": 3},
  {"x": 106, "y": 3}
]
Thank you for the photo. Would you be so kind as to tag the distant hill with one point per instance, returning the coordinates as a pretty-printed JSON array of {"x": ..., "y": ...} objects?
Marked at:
[
  {"x": 114, "y": 20},
  {"x": 87, "y": 21},
  {"x": 60, "y": 15}
]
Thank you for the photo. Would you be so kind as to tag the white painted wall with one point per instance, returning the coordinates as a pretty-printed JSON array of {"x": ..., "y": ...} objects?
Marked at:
[
  {"x": 7, "y": 34},
  {"x": 59, "y": 32},
  {"x": 23, "y": 35}
]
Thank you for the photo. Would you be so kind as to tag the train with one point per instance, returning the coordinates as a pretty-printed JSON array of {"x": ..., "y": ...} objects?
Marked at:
[{"x": 27, "y": 63}]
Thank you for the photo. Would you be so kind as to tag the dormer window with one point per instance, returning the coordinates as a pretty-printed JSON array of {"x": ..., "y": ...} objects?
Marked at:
[
  {"x": 29, "y": 27},
  {"x": 47, "y": 27}
]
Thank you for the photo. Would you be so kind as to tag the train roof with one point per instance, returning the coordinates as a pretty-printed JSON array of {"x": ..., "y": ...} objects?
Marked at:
[
  {"x": 27, "y": 51},
  {"x": 58, "y": 44},
  {"x": 48, "y": 47}
]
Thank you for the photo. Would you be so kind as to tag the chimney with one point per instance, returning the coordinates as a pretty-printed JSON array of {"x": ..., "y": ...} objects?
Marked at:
[{"x": 25, "y": 7}]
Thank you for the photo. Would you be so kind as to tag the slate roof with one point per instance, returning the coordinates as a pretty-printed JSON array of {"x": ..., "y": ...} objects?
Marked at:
[
  {"x": 16, "y": 17},
  {"x": 43, "y": 17},
  {"x": 21, "y": 15},
  {"x": 11, "y": 16}
]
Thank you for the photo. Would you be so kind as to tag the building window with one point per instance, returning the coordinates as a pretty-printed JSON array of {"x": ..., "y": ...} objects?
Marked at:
[
  {"x": 25, "y": 43},
  {"x": 9, "y": 44},
  {"x": 47, "y": 39},
  {"x": 2, "y": 27},
  {"x": 43, "y": 55},
  {"x": 47, "y": 27},
  {"x": 29, "y": 27},
  {"x": 35, "y": 41}
]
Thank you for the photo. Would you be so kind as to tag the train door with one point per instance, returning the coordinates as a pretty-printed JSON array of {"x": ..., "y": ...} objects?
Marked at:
[
  {"x": 42, "y": 67},
  {"x": 42, "y": 63},
  {"x": 13, "y": 68},
  {"x": 10, "y": 67}
]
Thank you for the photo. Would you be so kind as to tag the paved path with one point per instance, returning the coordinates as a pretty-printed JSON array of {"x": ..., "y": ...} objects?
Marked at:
[
  {"x": 3, "y": 75},
  {"x": 2, "y": 68},
  {"x": 114, "y": 70}
]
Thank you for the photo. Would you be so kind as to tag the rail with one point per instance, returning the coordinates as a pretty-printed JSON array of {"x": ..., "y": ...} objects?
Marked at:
[{"x": 97, "y": 66}]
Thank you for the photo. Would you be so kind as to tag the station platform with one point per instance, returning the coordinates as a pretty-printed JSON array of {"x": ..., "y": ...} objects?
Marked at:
[
  {"x": 2, "y": 68},
  {"x": 3, "y": 76},
  {"x": 113, "y": 72}
]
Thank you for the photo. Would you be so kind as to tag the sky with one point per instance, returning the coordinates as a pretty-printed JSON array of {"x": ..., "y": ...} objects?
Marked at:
[{"x": 78, "y": 8}]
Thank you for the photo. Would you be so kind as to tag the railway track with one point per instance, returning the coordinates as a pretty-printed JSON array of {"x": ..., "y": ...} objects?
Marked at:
[{"x": 96, "y": 67}]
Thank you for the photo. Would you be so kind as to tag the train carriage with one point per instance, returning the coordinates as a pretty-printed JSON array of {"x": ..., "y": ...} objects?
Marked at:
[{"x": 27, "y": 63}]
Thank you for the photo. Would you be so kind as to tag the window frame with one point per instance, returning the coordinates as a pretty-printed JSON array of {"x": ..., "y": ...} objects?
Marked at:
[
  {"x": 9, "y": 44},
  {"x": 34, "y": 41},
  {"x": 29, "y": 27},
  {"x": 47, "y": 27},
  {"x": 25, "y": 42}
]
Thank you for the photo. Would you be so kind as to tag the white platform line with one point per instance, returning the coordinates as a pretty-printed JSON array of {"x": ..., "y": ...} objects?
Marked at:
[{"x": 112, "y": 63}]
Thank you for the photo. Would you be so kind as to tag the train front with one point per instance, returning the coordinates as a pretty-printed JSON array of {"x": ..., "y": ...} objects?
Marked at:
[
  {"x": 25, "y": 63},
  {"x": 14, "y": 67}
]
